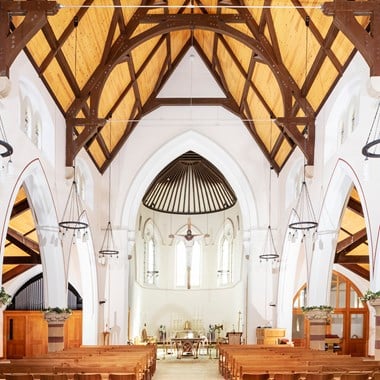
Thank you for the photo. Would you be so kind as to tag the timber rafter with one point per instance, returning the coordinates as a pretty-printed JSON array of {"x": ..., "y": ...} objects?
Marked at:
[{"x": 218, "y": 23}]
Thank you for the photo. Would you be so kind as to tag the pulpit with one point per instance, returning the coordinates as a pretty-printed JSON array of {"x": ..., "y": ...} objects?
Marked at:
[
  {"x": 234, "y": 337},
  {"x": 269, "y": 335}
]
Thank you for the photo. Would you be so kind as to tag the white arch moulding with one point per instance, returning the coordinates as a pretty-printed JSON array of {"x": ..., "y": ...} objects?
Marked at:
[{"x": 202, "y": 145}]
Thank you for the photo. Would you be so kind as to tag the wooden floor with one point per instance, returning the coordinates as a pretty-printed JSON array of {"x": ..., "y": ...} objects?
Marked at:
[{"x": 187, "y": 368}]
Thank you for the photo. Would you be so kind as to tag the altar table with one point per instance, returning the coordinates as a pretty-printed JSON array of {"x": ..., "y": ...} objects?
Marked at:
[{"x": 186, "y": 346}]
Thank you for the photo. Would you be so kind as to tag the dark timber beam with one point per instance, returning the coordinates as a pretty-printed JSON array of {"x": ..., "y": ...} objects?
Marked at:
[
  {"x": 14, "y": 272},
  {"x": 355, "y": 206},
  {"x": 24, "y": 243},
  {"x": 359, "y": 270},
  {"x": 368, "y": 43},
  {"x": 12, "y": 42},
  {"x": 74, "y": 145},
  {"x": 261, "y": 47},
  {"x": 350, "y": 243}
]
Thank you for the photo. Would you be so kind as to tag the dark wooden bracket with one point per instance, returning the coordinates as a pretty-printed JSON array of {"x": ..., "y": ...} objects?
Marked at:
[
  {"x": 74, "y": 141},
  {"x": 13, "y": 41},
  {"x": 366, "y": 41}
]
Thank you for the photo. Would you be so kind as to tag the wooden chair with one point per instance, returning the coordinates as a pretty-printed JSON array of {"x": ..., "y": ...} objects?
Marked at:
[
  {"x": 19, "y": 376},
  {"x": 87, "y": 376},
  {"x": 53, "y": 376}
]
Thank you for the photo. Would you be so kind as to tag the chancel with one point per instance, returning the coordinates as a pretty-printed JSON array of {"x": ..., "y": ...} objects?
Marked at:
[{"x": 223, "y": 123}]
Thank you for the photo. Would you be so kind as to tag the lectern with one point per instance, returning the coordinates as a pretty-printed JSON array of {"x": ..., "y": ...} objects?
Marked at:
[{"x": 234, "y": 337}]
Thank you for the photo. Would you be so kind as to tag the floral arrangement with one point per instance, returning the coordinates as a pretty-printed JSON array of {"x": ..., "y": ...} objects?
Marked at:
[
  {"x": 369, "y": 295},
  {"x": 58, "y": 310},
  {"x": 326, "y": 308},
  {"x": 218, "y": 328},
  {"x": 5, "y": 298}
]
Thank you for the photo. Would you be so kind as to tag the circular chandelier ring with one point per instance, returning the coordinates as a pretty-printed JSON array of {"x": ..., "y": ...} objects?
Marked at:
[
  {"x": 73, "y": 225},
  {"x": 269, "y": 256},
  {"x": 368, "y": 146},
  {"x": 8, "y": 149},
  {"x": 305, "y": 225}
]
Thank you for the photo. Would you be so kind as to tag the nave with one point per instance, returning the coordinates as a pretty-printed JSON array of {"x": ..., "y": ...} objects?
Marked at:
[{"x": 187, "y": 369}]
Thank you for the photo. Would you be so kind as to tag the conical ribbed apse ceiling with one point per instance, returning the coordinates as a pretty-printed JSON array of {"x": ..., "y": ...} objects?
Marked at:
[{"x": 189, "y": 185}]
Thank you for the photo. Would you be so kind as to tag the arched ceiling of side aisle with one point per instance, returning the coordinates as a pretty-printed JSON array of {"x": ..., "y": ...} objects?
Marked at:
[{"x": 271, "y": 61}]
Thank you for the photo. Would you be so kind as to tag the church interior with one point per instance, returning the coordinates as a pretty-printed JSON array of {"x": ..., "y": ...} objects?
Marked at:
[{"x": 187, "y": 176}]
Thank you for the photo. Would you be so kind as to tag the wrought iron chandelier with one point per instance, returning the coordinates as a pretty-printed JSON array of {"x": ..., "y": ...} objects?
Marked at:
[
  {"x": 108, "y": 246},
  {"x": 6, "y": 148},
  {"x": 373, "y": 140},
  {"x": 72, "y": 218},
  {"x": 269, "y": 250}
]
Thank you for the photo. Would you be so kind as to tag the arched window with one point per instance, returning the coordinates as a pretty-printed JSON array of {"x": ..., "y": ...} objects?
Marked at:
[
  {"x": 28, "y": 122},
  {"x": 224, "y": 271},
  {"x": 150, "y": 255},
  {"x": 187, "y": 264},
  {"x": 37, "y": 133}
]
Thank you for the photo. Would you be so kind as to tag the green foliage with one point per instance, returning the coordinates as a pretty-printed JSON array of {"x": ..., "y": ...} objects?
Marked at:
[
  {"x": 369, "y": 295},
  {"x": 320, "y": 307},
  {"x": 5, "y": 298},
  {"x": 58, "y": 310}
]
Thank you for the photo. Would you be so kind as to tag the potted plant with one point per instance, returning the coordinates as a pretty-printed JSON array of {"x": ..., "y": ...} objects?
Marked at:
[
  {"x": 373, "y": 298},
  {"x": 5, "y": 298},
  {"x": 57, "y": 313},
  {"x": 369, "y": 296},
  {"x": 317, "y": 312}
]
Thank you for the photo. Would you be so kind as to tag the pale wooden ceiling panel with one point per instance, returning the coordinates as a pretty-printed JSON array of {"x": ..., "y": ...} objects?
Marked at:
[
  {"x": 283, "y": 153},
  {"x": 66, "y": 16},
  {"x": 120, "y": 120},
  {"x": 342, "y": 47},
  {"x": 291, "y": 32},
  {"x": 97, "y": 153},
  {"x": 148, "y": 78},
  {"x": 92, "y": 33},
  {"x": 243, "y": 28},
  {"x": 241, "y": 51},
  {"x": 116, "y": 83},
  {"x": 257, "y": 109},
  {"x": 235, "y": 80},
  {"x": 352, "y": 222},
  {"x": 177, "y": 41},
  {"x": 59, "y": 85},
  {"x": 23, "y": 222},
  {"x": 128, "y": 12},
  {"x": 142, "y": 28},
  {"x": 205, "y": 40},
  {"x": 21, "y": 195},
  {"x": 317, "y": 17},
  {"x": 324, "y": 80},
  {"x": 39, "y": 47},
  {"x": 12, "y": 250},
  {"x": 140, "y": 54},
  {"x": 268, "y": 87},
  {"x": 255, "y": 12}
]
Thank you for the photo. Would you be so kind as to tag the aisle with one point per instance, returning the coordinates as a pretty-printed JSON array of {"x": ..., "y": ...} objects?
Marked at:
[{"x": 188, "y": 368}]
